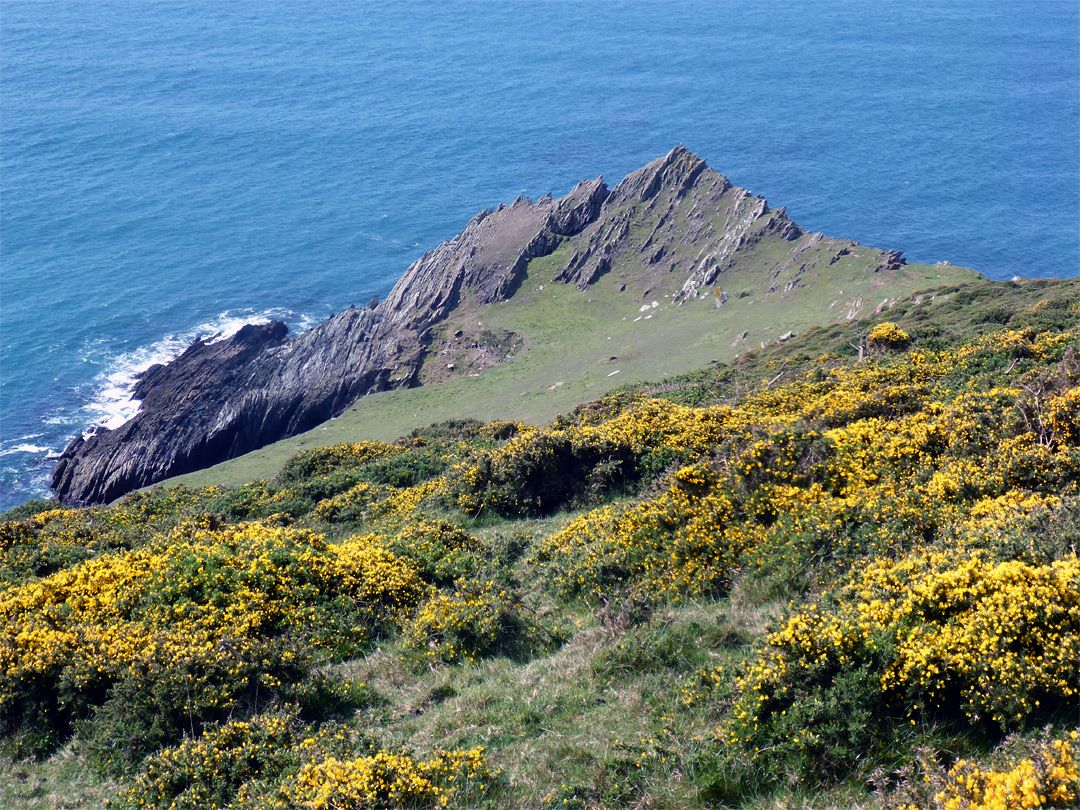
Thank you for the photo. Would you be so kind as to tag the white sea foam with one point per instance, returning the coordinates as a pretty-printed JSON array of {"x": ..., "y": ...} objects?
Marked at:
[
  {"x": 25, "y": 448},
  {"x": 111, "y": 404}
]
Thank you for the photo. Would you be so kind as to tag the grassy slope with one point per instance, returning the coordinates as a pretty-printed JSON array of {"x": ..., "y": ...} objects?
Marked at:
[
  {"x": 561, "y": 724},
  {"x": 571, "y": 335}
]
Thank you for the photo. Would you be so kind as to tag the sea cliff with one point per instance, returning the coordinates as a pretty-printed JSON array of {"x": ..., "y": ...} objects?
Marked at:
[{"x": 675, "y": 223}]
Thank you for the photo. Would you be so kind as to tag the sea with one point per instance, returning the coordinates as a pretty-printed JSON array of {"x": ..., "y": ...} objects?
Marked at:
[{"x": 172, "y": 170}]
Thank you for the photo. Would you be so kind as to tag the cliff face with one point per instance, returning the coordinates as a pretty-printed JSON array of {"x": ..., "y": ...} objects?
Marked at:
[{"x": 221, "y": 399}]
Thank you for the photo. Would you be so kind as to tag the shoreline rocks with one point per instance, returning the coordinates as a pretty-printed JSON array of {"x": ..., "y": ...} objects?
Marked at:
[{"x": 221, "y": 399}]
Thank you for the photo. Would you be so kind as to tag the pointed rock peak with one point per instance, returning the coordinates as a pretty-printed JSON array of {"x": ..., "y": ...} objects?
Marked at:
[
  {"x": 678, "y": 170},
  {"x": 679, "y": 152},
  {"x": 680, "y": 159},
  {"x": 586, "y": 186}
]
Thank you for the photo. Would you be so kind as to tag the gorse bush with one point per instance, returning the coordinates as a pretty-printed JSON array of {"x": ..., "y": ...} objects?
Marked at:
[
  {"x": 684, "y": 542},
  {"x": 47, "y": 540},
  {"x": 275, "y": 761},
  {"x": 1021, "y": 773},
  {"x": 388, "y": 780},
  {"x": 927, "y": 638},
  {"x": 209, "y": 771},
  {"x": 887, "y": 335},
  {"x": 409, "y": 469},
  {"x": 1050, "y": 779},
  {"x": 540, "y": 470},
  {"x": 323, "y": 460},
  {"x": 441, "y": 552},
  {"x": 807, "y": 477},
  {"x": 476, "y": 619},
  {"x": 192, "y": 624},
  {"x": 30, "y": 552},
  {"x": 374, "y": 503},
  {"x": 916, "y": 511}
]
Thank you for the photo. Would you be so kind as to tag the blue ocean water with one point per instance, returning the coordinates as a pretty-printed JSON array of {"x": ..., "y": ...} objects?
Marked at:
[{"x": 171, "y": 169}]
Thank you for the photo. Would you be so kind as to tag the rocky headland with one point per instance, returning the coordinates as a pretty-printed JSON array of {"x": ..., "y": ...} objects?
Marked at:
[{"x": 673, "y": 222}]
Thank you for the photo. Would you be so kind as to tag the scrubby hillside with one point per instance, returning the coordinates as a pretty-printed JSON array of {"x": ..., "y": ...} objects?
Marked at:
[
  {"x": 556, "y": 286},
  {"x": 840, "y": 571}
]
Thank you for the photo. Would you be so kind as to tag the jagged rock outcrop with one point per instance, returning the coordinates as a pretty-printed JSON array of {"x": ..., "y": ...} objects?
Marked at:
[
  {"x": 677, "y": 215},
  {"x": 223, "y": 398},
  {"x": 487, "y": 260}
]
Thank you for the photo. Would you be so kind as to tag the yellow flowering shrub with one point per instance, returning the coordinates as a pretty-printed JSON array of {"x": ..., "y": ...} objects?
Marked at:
[
  {"x": 1016, "y": 525},
  {"x": 385, "y": 586},
  {"x": 44, "y": 543},
  {"x": 1050, "y": 779},
  {"x": 197, "y": 620},
  {"x": 681, "y": 542},
  {"x": 476, "y": 619},
  {"x": 209, "y": 771},
  {"x": 887, "y": 335},
  {"x": 441, "y": 552},
  {"x": 934, "y": 636},
  {"x": 50, "y": 540},
  {"x": 1063, "y": 417},
  {"x": 1004, "y": 637},
  {"x": 275, "y": 761},
  {"x": 323, "y": 460},
  {"x": 539, "y": 470},
  {"x": 865, "y": 459},
  {"x": 1020, "y": 774},
  {"x": 368, "y": 502},
  {"x": 386, "y": 780}
]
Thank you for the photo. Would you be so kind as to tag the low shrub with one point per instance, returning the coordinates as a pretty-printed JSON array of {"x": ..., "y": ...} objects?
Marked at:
[
  {"x": 441, "y": 553},
  {"x": 928, "y": 638},
  {"x": 541, "y": 470},
  {"x": 372, "y": 503},
  {"x": 189, "y": 628},
  {"x": 385, "y": 780},
  {"x": 887, "y": 336},
  {"x": 321, "y": 461},
  {"x": 683, "y": 542},
  {"x": 1022, "y": 773},
  {"x": 408, "y": 469},
  {"x": 232, "y": 762},
  {"x": 477, "y": 619}
]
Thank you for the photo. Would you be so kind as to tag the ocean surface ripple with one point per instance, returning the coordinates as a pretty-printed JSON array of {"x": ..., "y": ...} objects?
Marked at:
[{"x": 169, "y": 170}]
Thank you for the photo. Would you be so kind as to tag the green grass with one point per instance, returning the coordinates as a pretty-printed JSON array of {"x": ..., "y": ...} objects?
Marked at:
[
  {"x": 614, "y": 706},
  {"x": 570, "y": 337},
  {"x": 576, "y": 722},
  {"x": 61, "y": 782}
]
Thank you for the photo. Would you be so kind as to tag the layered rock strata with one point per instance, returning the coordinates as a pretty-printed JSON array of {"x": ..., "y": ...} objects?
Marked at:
[{"x": 220, "y": 399}]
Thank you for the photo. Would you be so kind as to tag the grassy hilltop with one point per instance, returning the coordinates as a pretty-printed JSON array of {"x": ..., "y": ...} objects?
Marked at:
[
  {"x": 571, "y": 346},
  {"x": 533, "y": 308},
  {"x": 838, "y": 570}
]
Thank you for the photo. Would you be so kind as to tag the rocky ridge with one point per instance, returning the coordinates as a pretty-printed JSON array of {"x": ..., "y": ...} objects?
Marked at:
[{"x": 220, "y": 399}]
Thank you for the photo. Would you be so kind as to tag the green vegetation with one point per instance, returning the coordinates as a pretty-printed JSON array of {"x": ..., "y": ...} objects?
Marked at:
[
  {"x": 839, "y": 571},
  {"x": 578, "y": 345}
]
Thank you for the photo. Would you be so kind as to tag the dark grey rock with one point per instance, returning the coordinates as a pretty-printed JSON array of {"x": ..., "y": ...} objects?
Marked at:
[{"x": 220, "y": 399}]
